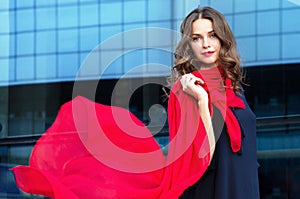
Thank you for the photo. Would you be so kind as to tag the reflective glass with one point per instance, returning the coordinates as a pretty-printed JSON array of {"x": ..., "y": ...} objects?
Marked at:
[
  {"x": 111, "y": 13},
  {"x": 4, "y": 75},
  {"x": 111, "y": 63},
  {"x": 25, "y": 43},
  {"x": 22, "y": 4},
  {"x": 25, "y": 19},
  {"x": 290, "y": 20},
  {"x": 135, "y": 59},
  {"x": 89, "y": 15},
  {"x": 68, "y": 40},
  {"x": 223, "y": 6},
  {"x": 63, "y": 2},
  {"x": 45, "y": 66},
  {"x": 5, "y": 43},
  {"x": 244, "y": 5},
  {"x": 45, "y": 42},
  {"x": 47, "y": 13},
  {"x": 268, "y": 47},
  {"x": 244, "y": 24},
  {"x": 7, "y": 22},
  {"x": 160, "y": 38},
  {"x": 290, "y": 45},
  {"x": 68, "y": 65},
  {"x": 158, "y": 10},
  {"x": 268, "y": 4},
  {"x": 67, "y": 16},
  {"x": 89, "y": 38},
  {"x": 25, "y": 68},
  {"x": 111, "y": 37},
  {"x": 247, "y": 49},
  {"x": 45, "y": 2},
  {"x": 162, "y": 58},
  {"x": 263, "y": 22},
  {"x": 134, "y": 11},
  {"x": 90, "y": 65}
]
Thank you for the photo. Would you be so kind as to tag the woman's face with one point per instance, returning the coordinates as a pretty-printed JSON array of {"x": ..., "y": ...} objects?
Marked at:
[{"x": 205, "y": 44}]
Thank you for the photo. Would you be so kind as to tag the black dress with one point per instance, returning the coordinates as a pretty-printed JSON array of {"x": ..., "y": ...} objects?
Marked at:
[{"x": 230, "y": 175}]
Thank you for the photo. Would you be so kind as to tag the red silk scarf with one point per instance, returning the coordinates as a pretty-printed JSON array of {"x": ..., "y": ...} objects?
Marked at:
[
  {"x": 221, "y": 94},
  {"x": 97, "y": 151}
]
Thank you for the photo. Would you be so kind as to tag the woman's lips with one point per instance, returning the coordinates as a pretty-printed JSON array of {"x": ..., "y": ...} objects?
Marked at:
[{"x": 208, "y": 54}]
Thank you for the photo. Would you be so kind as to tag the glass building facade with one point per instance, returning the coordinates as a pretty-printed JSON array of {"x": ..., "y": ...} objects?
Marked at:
[{"x": 120, "y": 52}]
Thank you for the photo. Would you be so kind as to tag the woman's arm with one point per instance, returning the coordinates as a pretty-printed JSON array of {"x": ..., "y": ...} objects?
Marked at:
[{"x": 192, "y": 86}]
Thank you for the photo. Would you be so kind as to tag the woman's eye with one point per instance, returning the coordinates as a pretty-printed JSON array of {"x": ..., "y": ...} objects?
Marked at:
[
  {"x": 213, "y": 35},
  {"x": 195, "y": 38}
]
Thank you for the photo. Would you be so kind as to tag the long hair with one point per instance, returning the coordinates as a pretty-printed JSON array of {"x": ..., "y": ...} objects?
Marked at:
[{"x": 229, "y": 58}]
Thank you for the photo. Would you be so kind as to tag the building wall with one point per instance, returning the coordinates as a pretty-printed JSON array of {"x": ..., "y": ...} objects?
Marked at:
[{"x": 50, "y": 41}]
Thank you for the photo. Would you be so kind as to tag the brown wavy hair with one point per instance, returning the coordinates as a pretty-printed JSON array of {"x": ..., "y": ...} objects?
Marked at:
[{"x": 229, "y": 58}]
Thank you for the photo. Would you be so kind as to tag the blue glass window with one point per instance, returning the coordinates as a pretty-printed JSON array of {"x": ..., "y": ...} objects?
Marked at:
[
  {"x": 247, "y": 49},
  {"x": 263, "y": 22},
  {"x": 268, "y": 4},
  {"x": 244, "y": 24},
  {"x": 243, "y": 5},
  {"x": 25, "y": 43},
  {"x": 179, "y": 11},
  {"x": 7, "y": 22},
  {"x": 134, "y": 11},
  {"x": 290, "y": 4},
  {"x": 290, "y": 20},
  {"x": 63, "y": 2},
  {"x": 5, "y": 43},
  {"x": 90, "y": 64},
  {"x": 12, "y": 69},
  {"x": 68, "y": 40},
  {"x": 160, "y": 34},
  {"x": 111, "y": 63},
  {"x": 133, "y": 59},
  {"x": 132, "y": 26},
  {"x": 290, "y": 45},
  {"x": 162, "y": 59},
  {"x": 12, "y": 48},
  {"x": 44, "y": 2},
  {"x": 67, "y": 16},
  {"x": 268, "y": 47},
  {"x": 229, "y": 19},
  {"x": 68, "y": 65},
  {"x": 135, "y": 36},
  {"x": 223, "y": 6},
  {"x": 45, "y": 42},
  {"x": 22, "y": 4},
  {"x": 10, "y": 3},
  {"x": 45, "y": 66},
  {"x": 89, "y": 38},
  {"x": 111, "y": 37},
  {"x": 111, "y": 13},
  {"x": 45, "y": 18},
  {"x": 159, "y": 10},
  {"x": 25, "y": 68},
  {"x": 89, "y": 15},
  {"x": 25, "y": 20},
  {"x": 4, "y": 75}
]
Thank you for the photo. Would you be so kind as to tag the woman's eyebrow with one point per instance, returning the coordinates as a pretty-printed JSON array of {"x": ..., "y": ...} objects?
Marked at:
[{"x": 199, "y": 34}]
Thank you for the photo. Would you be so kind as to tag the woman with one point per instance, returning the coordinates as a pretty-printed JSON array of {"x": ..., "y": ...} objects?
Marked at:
[
  {"x": 97, "y": 151},
  {"x": 205, "y": 57}
]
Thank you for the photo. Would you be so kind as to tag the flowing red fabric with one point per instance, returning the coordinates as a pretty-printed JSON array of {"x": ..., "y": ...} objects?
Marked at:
[
  {"x": 98, "y": 151},
  {"x": 223, "y": 97}
]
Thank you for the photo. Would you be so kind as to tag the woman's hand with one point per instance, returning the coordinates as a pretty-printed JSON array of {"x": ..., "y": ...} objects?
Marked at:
[{"x": 192, "y": 86}]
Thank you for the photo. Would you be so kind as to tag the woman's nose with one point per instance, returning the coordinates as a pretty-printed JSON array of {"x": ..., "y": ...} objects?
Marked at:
[{"x": 206, "y": 42}]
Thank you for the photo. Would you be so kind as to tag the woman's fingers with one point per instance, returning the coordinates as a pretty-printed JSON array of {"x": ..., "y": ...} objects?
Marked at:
[{"x": 190, "y": 78}]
